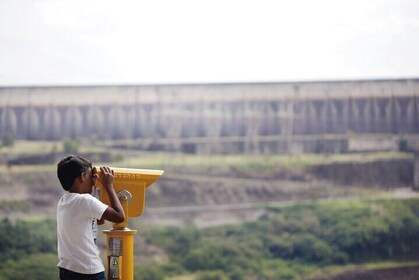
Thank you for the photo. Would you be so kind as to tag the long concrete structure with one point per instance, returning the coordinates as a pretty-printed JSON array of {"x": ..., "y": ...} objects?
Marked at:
[{"x": 245, "y": 113}]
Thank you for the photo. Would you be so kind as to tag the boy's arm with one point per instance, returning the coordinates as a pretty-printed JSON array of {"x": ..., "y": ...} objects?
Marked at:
[
  {"x": 114, "y": 212},
  {"x": 101, "y": 221}
]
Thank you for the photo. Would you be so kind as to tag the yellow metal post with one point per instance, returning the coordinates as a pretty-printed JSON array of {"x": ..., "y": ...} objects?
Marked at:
[
  {"x": 120, "y": 254},
  {"x": 130, "y": 185},
  {"x": 120, "y": 246}
]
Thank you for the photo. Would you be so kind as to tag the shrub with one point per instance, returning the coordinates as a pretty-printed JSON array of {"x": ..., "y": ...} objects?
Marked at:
[
  {"x": 70, "y": 146},
  {"x": 14, "y": 205},
  {"x": 211, "y": 275},
  {"x": 20, "y": 239},
  {"x": 148, "y": 272},
  {"x": 8, "y": 139},
  {"x": 34, "y": 267}
]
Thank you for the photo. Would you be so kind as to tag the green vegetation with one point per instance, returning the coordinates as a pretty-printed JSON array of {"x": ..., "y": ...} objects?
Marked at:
[
  {"x": 295, "y": 242},
  {"x": 253, "y": 166},
  {"x": 7, "y": 140},
  {"x": 28, "y": 250},
  {"x": 30, "y": 147},
  {"x": 14, "y": 205},
  {"x": 25, "y": 147},
  {"x": 40, "y": 266},
  {"x": 249, "y": 165},
  {"x": 71, "y": 146}
]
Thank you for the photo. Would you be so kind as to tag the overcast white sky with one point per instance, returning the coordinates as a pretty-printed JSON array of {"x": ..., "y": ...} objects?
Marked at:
[{"x": 75, "y": 42}]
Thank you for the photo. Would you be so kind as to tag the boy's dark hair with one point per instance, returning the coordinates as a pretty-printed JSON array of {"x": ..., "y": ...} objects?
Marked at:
[{"x": 69, "y": 168}]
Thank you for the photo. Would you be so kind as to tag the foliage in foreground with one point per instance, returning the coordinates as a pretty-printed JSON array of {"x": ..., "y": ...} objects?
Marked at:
[
  {"x": 296, "y": 242},
  {"x": 28, "y": 250}
]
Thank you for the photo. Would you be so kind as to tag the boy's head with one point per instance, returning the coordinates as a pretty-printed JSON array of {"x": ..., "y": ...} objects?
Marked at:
[{"x": 69, "y": 168}]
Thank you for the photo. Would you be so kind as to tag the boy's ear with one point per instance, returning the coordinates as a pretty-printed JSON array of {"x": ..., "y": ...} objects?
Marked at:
[{"x": 81, "y": 177}]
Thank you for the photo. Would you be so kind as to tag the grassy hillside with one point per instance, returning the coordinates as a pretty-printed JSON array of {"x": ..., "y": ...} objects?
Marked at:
[
  {"x": 191, "y": 180},
  {"x": 321, "y": 233}
]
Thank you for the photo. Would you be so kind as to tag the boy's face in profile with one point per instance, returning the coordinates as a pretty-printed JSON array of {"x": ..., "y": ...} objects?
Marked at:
[{"x": 88, "y": 181}]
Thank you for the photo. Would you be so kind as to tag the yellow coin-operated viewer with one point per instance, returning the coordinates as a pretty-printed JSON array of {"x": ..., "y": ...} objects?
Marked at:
[
  {"x": 130, "y": 186},
  {"x": 121, "y": 194}
]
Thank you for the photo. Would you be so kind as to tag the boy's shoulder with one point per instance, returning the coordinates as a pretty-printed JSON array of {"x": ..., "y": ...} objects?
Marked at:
[
  {"x": 73, "y": 197},
  {"x": 76, "y": 195},
  {"x": 79, "y": 201}
]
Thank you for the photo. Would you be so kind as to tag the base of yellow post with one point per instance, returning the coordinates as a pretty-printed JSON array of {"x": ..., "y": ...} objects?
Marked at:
[{"x": 120, "y": 253}]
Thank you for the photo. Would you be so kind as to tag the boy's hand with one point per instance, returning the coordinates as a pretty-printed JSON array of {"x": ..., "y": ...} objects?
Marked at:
[
  {"x": 106, "y": 177},
  {"x": 115, "y": 212}
]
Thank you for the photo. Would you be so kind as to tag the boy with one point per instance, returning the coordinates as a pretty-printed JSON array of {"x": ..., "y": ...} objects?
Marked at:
[{"x": 77, "y": 212}]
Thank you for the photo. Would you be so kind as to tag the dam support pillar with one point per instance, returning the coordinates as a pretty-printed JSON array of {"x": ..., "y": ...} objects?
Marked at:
[{"x": 416, "y": 172}]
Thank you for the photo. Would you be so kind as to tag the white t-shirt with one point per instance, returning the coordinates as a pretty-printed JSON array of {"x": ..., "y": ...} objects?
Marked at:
[{"x": 76, "y": 230}]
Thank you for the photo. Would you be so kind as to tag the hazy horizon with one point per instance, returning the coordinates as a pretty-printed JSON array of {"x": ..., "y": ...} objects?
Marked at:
[{"x": 54, "y": 43}]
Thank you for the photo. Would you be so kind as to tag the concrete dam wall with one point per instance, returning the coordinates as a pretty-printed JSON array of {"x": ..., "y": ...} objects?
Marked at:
[{"x": 263, "y": 117}]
